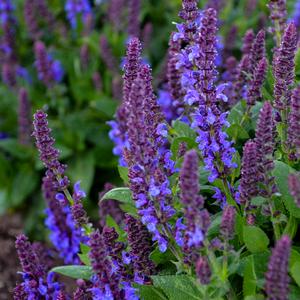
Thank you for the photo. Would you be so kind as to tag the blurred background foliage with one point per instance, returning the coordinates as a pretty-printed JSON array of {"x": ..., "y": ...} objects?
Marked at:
[{"x": 78, "y": 109}]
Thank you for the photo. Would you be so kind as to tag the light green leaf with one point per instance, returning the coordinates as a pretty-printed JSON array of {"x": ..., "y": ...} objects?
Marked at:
[
  {"x": 183, "y": 130},
  {"x": 77, "y": 272},
  {"x": 237, "y": 132},
  {"x": 178, "y": 287},
  {"x": 295, "y": 272},
  {"x": 121, "y": 194},
  {"x": 249, "y": 283},
  {"x": 149, "y": 292},
  {"x": 123, "y": 172},
  {"x": 255, "y": 239}
]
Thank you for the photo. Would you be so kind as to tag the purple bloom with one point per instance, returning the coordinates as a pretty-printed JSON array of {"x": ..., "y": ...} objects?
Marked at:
[
  {"x": 284, "y": 68},
  {"x": 9, "y": 75},
  {"x": 140, "y": 244},
  {"x": 294, "y": 123},
  {"x": 107, "y": 55},
  {"x": 115, "y": 11},
  {"x": 228, "y": 222},
  {"x": 250, "y": 177},
  {"x": 294, "y": 187},
  {"x": 49, "y": 70},
  {"x": 203, "y": 270},
  {"x": 77, "y": 8},
  {"x": 258, "y": 51},
  {"x": 24, "y": 118},
  {"x": 256, "y": 83},
  {"x": 296, "y": 14},
  {"x": 133, "y": 18},
  {"x": 278, "y": 13},
  {"x": 277, "y": 278},
  {"x": 248, "y": 42}
]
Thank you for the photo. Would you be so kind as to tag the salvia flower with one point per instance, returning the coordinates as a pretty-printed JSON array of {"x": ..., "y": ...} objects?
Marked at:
[
  {"x": 284, "y": 68},
  {"x": 9, "y": 75},
  {"x": 195, "y": 227},
  {"x": 248, "y": 41},
  {"x": 49, "y": 70},
  {"x": 265, "y": 141},
  {"x": 256, "y": 83},
  {"x": 294, "y": 187},
  {"x": 258, "y": 51},
  {"x": 77, "y": 8},
  {"x": 294, "y": 123},
  {"x": 24, "y": 118},
  {"x": 203, "y": 270},
  {"x": 277, "y": 278},
  {"x": 140, "y": 245},
  {"x": 248, "y": 187},
  {"x": 36, "y": 283},
  {"x": 228, "y": 222},
  {"x": 115, "y": 11},
  {"x": 107, "y": 55},
  {"x": 64, "y": 234},
  {"x": 278, "y": 13},
  {"x": 133, "y": 18}
]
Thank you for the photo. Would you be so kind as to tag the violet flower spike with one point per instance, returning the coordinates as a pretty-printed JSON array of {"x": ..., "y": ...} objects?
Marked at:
[
  {"x": 203, "y": 270},
  {"x": 294, "y": 187},
  {"x": 277, "y": 278},
  {"x": 24, "y": 118},
  {"x": 228, "y": 223},
  {"x": 134, "y": 7}
]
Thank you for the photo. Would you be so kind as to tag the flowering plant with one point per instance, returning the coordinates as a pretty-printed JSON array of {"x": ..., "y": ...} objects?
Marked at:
[{"x": 210, "y": 202}]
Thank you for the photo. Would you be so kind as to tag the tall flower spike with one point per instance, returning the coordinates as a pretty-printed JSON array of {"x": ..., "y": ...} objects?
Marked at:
[
  {"x": 249, "y": 173},
  {"x": 203, "y": 270},
  {"x": 24, "y": 118},
  {"x": 140, "y": 244},
  {"x": 256, "y": 84},
  {"x": 115, "y": 11},
  {"x": 228, "y": 222},
  {"x": 265, "y": 141},
  {"x": 294, "y": 187},
  {"x": 107, "y": 55},
  {"x": 294, "y": 123},
  {"x": 258, "y": 50},
  {"x": 277, "y": 278},
  {"x": 284, "y": 68},
  {"x": 194, "y": 215},
  {"x": 134, "y": 7},
  {"x": 278, "y": 14},
  {"x": 248, "y": 42},
  {"x": 49, "y": 70},
  {"x": 77, "y": 8}
]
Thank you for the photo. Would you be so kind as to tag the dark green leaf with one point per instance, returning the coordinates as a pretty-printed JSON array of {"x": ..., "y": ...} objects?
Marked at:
[
  {"x": 77, "y": 272},
  {"x": 160, "y": 258},
  {"x": 149, "y": 292},
  {"x": 235, "y": 131},
  {"x": 255, "y": 239},
  {"x": 182, "y": 129}
]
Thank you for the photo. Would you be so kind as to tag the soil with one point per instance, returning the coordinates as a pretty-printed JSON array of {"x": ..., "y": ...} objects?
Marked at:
[{"x": 10, "y": 227}]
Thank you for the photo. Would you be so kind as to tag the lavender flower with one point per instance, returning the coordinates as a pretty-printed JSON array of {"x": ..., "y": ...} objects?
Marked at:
[
  {"x": 105, "y": 283},
  {"x": 24, "y": 118},
  {"x": 9, "y": 75},
  {"x": 36, "y": 284},
  {"x": 118, "y": 133},
  {"x": 228, "y": 222},
  {"x": 278, "y": 14},
  {"x": 133, "y": 18},
  {"x": 249, "y": 173},
  {"x": 8, "y": 43},
  {"x": 203, "y": 270},
  {"x": 194, "y": 221},
  {"x": 284, "y": 68},
  {"x": 107, "y": 55},
  {"x": 256, "y": 84},
  {"x": 77, "y": 8},
  {"x": 294, "y": 187},
  {"x": 49, "y": 70},
  {"x": 294, "y": 123},
  {"x": 277, "y": 279},
  {"x": 265, "y": 141},
  {"x": 115, "y": 11},
  {"x": 258, "y": 51},
  {"x": 64, "y": 235},
  {"x": 248, "y": 42},
  {"x": 140, "y": 244}
]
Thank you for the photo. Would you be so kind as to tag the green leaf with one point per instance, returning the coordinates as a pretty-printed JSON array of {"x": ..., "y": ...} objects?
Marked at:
[
  {"x": 160, "y": 258},
  {"x": 149, "y": 292},
  {"x": 123, "y": 172},
  {"x": 295, "y": 272},
  {"x": 249, "y": 283},
  {"x": 236, "y": 113},
  {"x": 178, "y": 287},
  {"x": 183, "y": 130},
  {"x": 77, "y": 272},
  {"x": 281, "y": 173},
  {"x": 237, "y": 131},
  {"x": 13, "y": 147},
  {"x": 85, "y": 259},
  {"x": 121, "y": 194},
  {"x": 255, "y": 239},
  {"x": 190, "y": 142}
]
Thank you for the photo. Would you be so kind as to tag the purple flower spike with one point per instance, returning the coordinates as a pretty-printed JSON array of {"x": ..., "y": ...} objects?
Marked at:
[
  {"x": 294, "y": 187},
  {"x": 249, "y": 173},
  {"x": 284, "y": 68},
  {"x": 24, "y": 118},
  {"x": 258, "y": 50},
  {"x": 228, "y": 222},
  {"x": 248, "y": 42},
  {"x": 49, "y": 70},
  {"x": 278, "y": 13},
  {"x": 133, "y": 18},
  {"x": 115, "y": 11},
  {"x": 294, "y": 123},
  {"x": 140, "y": 244},
  {"x": 203, "y": 270},
  {"x": 277, "y": 278},
  {"x": 107, "y": 55},
  {"x": 256, "y": 84}
]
